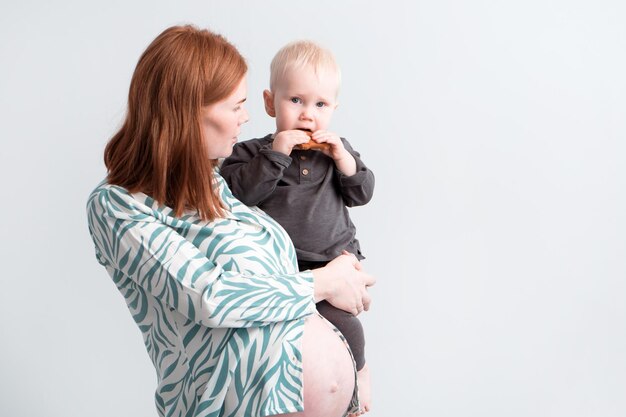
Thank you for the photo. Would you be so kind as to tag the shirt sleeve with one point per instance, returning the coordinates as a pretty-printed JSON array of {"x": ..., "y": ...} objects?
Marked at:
[
  {"x": 253, "y": 170},
  {"x": 156, "y": 257},
  {"x": 357, "y": 189}
]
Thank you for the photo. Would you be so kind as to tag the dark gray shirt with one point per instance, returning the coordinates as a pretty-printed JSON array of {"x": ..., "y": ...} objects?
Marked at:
[{"x": 304, "y": 192}]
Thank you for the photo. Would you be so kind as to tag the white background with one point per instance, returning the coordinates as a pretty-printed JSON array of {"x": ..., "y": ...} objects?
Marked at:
[{"x": 497, "y": 231}]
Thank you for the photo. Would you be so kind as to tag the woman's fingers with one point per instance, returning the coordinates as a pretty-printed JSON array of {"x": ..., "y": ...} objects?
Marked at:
[
  {"x": 369, "y": 280},
  {"x": 366, "y": 300},
  {"x": 351, "y": 284},
  {"x": 363, "y": 304},
  {"x": 354, "y": 259}
]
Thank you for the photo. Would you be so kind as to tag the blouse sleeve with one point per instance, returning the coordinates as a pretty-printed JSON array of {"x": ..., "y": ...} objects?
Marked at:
[{"x": 155, "y": 256}]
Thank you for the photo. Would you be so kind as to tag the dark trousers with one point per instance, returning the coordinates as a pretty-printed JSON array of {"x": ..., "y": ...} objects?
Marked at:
[{"x": 348, "y": 325}]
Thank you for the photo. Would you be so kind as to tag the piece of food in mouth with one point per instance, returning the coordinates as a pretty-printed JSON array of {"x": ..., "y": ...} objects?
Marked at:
[{"x": 311, "y": 144}]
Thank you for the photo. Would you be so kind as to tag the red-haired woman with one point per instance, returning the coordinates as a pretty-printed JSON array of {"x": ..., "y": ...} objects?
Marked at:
[{"x": 228, "y": 321}]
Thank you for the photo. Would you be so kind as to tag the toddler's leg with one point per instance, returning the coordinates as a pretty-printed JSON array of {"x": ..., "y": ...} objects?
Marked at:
[{"x": 349, "y": 326}]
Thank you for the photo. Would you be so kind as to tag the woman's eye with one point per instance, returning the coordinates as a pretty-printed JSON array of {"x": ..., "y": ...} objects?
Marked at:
[{"x": 237, "y": 108}]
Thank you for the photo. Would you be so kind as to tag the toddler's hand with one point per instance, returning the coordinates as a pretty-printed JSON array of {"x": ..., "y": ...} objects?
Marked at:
[
  {"x": 285, "y": 141},
  {"x": 343, "y": 159},
  {"x": 336, "y": 150}
]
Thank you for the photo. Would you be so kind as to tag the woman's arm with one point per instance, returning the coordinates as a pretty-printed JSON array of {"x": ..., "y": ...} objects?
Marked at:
[{"x": 132, "y": 244}]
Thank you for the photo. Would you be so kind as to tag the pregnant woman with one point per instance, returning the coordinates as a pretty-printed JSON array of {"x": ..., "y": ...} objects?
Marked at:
[{"x": 228, "y": 321}]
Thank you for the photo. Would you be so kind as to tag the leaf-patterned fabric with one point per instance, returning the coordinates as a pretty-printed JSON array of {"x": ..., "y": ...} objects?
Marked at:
[{"x": 220, "y": 305}]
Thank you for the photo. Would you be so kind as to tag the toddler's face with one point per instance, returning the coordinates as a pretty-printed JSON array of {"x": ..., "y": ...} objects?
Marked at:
[{"x": 304, "y": 100}]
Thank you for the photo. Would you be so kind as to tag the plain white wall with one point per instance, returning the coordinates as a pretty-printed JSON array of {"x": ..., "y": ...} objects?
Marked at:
[{"x": 497, "y": 232}]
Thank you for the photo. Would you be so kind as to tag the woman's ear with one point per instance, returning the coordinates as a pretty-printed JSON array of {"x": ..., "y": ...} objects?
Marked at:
[{"x": 268, "y": 99}]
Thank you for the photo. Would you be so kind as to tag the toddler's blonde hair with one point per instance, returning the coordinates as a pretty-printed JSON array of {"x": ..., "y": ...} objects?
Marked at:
[{"x": 299, "y": 54}]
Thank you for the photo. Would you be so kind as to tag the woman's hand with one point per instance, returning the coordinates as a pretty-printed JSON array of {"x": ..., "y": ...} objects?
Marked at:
[{"x": 343, "y": 284}]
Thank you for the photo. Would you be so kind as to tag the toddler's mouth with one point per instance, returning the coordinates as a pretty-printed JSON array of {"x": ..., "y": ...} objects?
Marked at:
[{"x": 304, "y": 129}]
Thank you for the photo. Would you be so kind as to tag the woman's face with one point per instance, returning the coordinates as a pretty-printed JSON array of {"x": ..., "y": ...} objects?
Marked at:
[{"x": 221, "y": 122}]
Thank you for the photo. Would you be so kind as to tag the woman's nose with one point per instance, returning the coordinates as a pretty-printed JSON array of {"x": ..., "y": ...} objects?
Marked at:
[{"x": 245, "y": 116}]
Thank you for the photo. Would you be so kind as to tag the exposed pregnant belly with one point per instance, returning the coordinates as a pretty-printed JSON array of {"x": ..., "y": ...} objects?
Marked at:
[{"x": 329, "y": 372}]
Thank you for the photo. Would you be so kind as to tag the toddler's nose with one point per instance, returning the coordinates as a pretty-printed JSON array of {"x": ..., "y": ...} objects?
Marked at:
[{"x": 306, "y": 114}]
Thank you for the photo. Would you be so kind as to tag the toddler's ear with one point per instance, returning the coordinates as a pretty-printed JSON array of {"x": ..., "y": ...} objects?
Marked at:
[{"x": 268, "y": 99}]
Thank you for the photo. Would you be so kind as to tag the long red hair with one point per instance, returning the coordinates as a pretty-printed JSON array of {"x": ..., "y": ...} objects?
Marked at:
[{"x": 160, "y": 150}]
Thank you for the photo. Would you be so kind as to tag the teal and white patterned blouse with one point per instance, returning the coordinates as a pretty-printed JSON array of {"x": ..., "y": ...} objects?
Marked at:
[{"x": 221, "y": 304}]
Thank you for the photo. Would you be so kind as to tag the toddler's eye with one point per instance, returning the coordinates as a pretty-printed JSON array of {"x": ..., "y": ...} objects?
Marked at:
[
  {"x": 237, "y": 108},
  {"x": 320, "y": 104},
  {"x": 295, "y": 100}
]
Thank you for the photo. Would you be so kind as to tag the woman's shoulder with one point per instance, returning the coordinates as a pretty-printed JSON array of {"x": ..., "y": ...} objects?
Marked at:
[
  {"x": 118, "y": 202},
  {"x": 107, "y": 191}
]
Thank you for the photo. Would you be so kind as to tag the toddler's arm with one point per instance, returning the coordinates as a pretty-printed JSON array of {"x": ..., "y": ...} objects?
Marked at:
[
  {"x": 344, "y": 161},
  {"x": 356, "y": 181},
  {"x": 357, "y": 189},
  {"x": 253, "y": 171}
]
